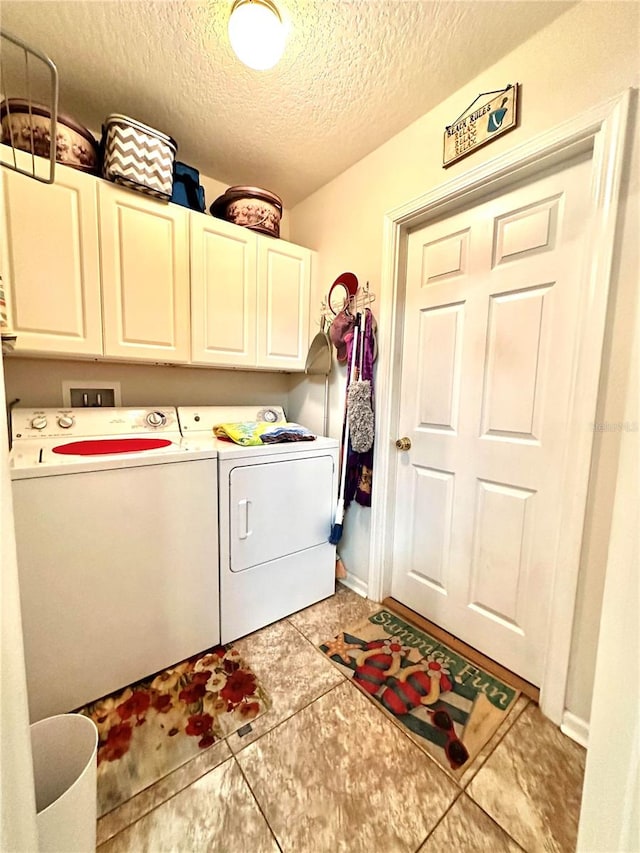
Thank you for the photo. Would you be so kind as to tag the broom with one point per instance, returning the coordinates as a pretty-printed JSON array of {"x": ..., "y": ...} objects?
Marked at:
[{"x": 336, "y": 529}]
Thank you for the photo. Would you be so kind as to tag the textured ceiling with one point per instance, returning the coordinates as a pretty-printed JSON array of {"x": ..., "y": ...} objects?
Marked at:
[{"x": 354, "y": 73}]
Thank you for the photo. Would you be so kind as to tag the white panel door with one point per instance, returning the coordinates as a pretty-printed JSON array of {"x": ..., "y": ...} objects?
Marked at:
[
  {"x": 492, "y": 294},
  {"x": 145, "y": 276},
  {"x": 284, "y": 288},
  {"x": 223, "y": 293},
  {"x": 52, "y": 269}
]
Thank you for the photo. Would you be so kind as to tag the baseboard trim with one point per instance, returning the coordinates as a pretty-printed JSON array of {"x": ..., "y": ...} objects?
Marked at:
[
  {"x": 356, "y": 584},
  {"x": 575, "y": 728}
]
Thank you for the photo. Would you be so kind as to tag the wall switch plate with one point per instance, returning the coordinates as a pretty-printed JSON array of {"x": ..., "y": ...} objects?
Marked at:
[{"x": 84, "y": 393}]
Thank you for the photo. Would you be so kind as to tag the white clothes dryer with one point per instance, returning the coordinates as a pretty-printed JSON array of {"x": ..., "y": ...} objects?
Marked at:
[
  {"x": 276, "y": 508},
  {"x": 116, "y": 530}
]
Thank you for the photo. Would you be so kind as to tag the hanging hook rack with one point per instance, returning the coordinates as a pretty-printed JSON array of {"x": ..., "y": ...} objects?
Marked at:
[{"x": 361, "y": 299}]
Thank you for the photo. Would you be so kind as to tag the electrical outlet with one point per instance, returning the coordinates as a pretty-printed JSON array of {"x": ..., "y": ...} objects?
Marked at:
[{"x": 83, "y": 394}]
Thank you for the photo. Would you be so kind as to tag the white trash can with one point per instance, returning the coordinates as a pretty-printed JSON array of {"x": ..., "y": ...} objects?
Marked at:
[{"x": 64, "y": 751}]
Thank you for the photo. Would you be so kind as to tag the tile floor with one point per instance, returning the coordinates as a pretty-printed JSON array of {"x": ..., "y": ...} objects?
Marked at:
[{"x": 325, "y": 770}]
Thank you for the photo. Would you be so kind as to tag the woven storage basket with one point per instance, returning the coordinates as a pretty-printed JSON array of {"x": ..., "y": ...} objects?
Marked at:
[
  {"x": 138, "y": 156},
  {"x": 251, "y": 207},
  {"x": 26, "y": 126}
]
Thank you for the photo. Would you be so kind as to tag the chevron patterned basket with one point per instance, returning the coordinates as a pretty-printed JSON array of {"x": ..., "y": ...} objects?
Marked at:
[{"x": 138, "y": 157}]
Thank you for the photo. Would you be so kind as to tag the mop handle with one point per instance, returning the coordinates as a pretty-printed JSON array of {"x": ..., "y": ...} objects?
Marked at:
[
  {"x": 363, "y": 330},
  {"x": 345, "y": 447}
]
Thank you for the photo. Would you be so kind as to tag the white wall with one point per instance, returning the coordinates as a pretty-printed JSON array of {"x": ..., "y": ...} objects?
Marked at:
[
  {"x": 584, "y": 57},
  {"x": 610, "y": 817},
  {"x": 38, "y": 382}
]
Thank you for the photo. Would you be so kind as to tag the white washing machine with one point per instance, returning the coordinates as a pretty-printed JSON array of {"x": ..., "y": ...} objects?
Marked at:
[
  {"x": 276, "y": 508},
  {"x": 116, "y": 530}
]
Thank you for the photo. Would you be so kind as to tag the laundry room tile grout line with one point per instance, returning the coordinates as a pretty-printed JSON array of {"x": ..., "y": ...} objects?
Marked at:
[
  {"x": 405, "y": 734},
  {"x": 290, "y": 716},
  {"x": 302, "y": 634},
  {"x": 163, "y": 803},
  {"x": 462, "y": 793},
  {"x": 516, "y": 717},
  {"x": 459, "y": 794},
  {"x": 255, "y": 799},
  {"x": 494, "y": 821},
  {"x": 316, "y": 646},
  {"x": 430, "y": 757}
]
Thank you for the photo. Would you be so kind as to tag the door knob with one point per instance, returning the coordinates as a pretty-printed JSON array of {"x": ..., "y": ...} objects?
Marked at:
[{"x": 403, "y": 443}]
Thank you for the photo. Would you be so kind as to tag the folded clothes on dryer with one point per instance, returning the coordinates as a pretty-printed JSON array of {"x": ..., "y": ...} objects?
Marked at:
[
  {"x": 255, "y": 433},
  {"x": 287, "y": 432}
]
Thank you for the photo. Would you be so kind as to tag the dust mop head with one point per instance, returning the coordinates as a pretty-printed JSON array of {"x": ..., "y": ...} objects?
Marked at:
[{"x": 360, "y": 415}]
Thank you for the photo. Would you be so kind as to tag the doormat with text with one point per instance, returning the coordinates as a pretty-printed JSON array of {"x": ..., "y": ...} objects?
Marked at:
[
  {"x": 155, "y": 726},
  {"x": 448, "y": 706}
]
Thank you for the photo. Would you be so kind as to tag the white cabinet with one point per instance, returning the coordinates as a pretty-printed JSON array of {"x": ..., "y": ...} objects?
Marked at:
[
  {"x": 95, "y": 270},
  {"x": 52, "y": 266},
  {"x": 249, "y": 297},
  {"x": 145, "y": 276},
  {"x": 223, "y": 293},
  {"x": 284, "y": 287}
]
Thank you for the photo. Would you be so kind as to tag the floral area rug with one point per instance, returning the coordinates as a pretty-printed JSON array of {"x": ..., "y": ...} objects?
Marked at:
[
  {"x": 447, "y": 705},
  {"x": 154, "y": 726}
]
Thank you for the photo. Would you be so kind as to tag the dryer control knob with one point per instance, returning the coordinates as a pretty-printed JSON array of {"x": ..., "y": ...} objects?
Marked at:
[
  {"x": 66, "y": 421},
  {"x": 156, "y": 419},
  {"x": 39, "y": 422}
]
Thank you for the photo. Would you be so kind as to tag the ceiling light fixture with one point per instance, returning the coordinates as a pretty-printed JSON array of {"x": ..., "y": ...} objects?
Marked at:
[{"x": 257, "y": 33}]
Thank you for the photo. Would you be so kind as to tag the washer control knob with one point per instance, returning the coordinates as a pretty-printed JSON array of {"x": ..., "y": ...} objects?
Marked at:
[
  {"x": 156, "y": 419},
  {"x": 39, "y": 422},
  {"x": 66, "y": 421}
]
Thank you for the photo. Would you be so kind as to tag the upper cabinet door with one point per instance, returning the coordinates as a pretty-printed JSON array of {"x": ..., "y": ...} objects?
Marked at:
[
  {"x": 145, "y": 275},
  {"x": 284, "y": 287},
  {"x": 51, "y": 267},
  {"x": 223, "y": 293}
]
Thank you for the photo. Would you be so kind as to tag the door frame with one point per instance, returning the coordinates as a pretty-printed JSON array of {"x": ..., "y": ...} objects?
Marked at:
[{"x": 600, "y": 131}]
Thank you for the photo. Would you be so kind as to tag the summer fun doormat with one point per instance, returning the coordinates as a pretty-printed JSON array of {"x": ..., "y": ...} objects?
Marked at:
[
  {"x": 155, "y": 726},
  {"x": 449, "y": 706}
]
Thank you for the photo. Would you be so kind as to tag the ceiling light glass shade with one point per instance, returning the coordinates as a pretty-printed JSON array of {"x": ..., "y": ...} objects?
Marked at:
[{"x": 257, "y": 33}]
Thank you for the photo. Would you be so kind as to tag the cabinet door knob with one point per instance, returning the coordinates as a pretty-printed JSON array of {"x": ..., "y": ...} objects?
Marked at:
[{"x": 403, "y": 443}]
